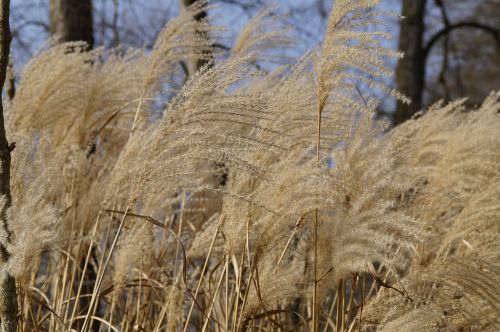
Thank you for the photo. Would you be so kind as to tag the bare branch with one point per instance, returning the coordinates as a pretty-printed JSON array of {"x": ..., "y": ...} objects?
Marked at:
[
  {"x": 495, "y": 33},
  {"x": 446, "y": 51}
]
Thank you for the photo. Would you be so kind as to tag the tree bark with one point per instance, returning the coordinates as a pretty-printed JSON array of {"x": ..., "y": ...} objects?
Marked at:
[
  {"x": 195, "y": 65},
  {"x": 8, "y": 296},
  {"x": 71, "y": 20},
  {"x": 410, "y": 71}
]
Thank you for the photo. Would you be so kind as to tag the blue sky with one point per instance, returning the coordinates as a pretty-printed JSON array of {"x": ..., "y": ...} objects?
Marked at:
[{"x": 139, "y": 21}]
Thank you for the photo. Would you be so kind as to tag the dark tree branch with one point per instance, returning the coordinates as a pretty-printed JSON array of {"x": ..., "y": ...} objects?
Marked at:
[
  {"x": 248, "y": 8},
  {"x": 322, "y": 10},
  {"x": 446, "y": 51},
  {"x": 30, "y": 23},
  {"x": 495, "y": 33}
]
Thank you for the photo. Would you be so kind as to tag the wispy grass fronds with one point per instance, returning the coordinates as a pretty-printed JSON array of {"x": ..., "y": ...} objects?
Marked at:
[{"x": 253, "y": 200}]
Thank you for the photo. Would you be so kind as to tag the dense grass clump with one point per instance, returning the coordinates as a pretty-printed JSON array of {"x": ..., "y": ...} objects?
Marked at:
[{"x": 251, "y": 200}]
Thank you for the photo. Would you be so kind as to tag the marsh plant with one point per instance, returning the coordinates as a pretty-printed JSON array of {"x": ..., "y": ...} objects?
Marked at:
[{"x": 245, "y": 198}]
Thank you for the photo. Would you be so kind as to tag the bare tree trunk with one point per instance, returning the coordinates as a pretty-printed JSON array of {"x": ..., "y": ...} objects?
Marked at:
[
  {"x": 194, "y": 66},
  {"x": 220, "y": 170},
  {"x": 71, "y": 20},
  {"x": 410, "y": 72},
  {"x": 8, "y": 296}
]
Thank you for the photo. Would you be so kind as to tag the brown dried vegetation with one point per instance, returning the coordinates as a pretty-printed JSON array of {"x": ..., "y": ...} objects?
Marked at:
[{"x": 253, "y": 200}]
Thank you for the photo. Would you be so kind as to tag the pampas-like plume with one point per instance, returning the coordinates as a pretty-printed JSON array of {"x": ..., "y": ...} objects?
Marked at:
[
  {"x": 320, "y": 216},
  {"x": 263, "y": 33},
  {"x": 453, "y": 278}
]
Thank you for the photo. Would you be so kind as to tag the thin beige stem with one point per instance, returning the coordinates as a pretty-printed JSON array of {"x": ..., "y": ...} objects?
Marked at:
[
  {"x": 164, "y": 309},
  {"x": 97, "y": 288},
  {"x": 179, "y": 233},
  {"x": 212, "y": 302},
  {"x": 87, "y": 258},
  {"x": 227, "y": 295},
  {"x": 315, "y": 274},
  {"x": 198, "y": 286},
  {"x": 136, "y": 116}
]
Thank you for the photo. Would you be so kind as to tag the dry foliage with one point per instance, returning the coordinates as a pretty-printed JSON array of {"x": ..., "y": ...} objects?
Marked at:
[{"x": 253, "y": 200}]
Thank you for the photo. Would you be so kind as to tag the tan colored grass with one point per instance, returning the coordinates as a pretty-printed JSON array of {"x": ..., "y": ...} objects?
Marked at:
[{"x": 120, "y": 220}]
